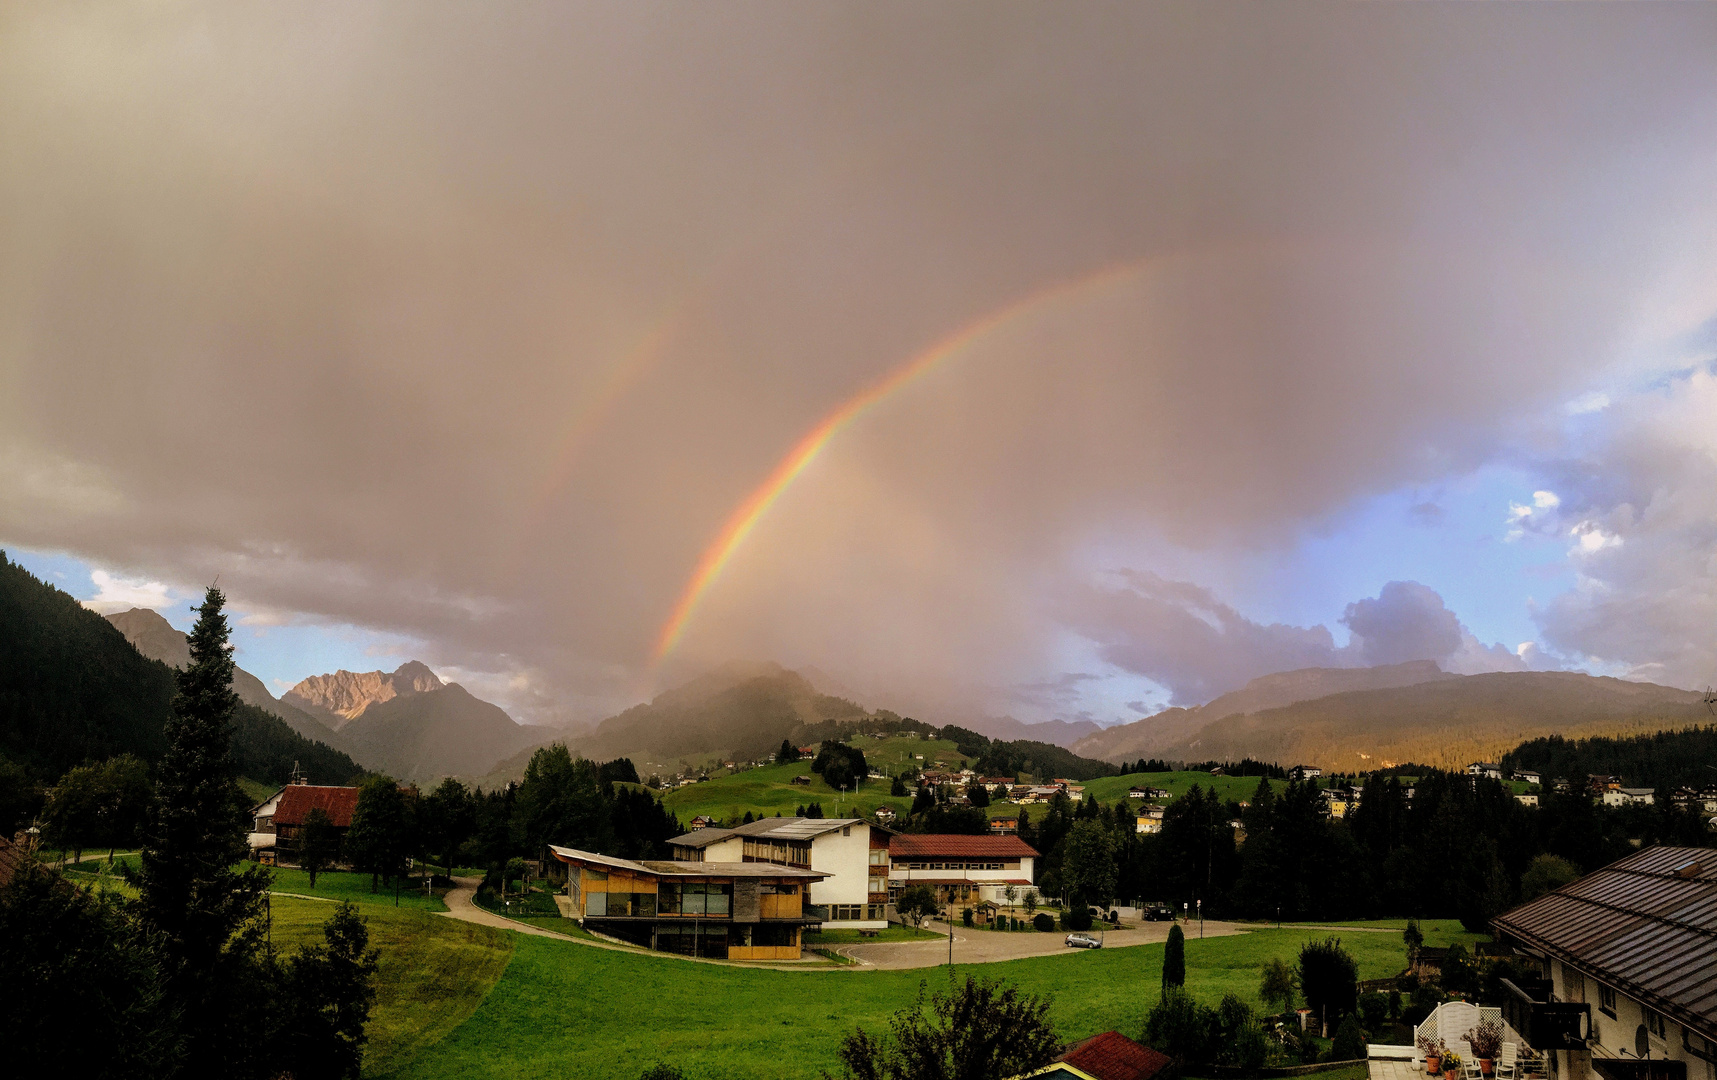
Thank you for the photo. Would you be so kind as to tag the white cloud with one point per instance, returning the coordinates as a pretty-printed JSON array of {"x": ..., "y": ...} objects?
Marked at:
[
  {"x": 1595, "y": 401},
  {"x": 114, "y": 593}
]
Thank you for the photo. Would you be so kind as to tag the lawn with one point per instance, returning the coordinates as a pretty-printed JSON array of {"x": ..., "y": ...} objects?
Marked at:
[
  {"x": 1107, "y": 789},
  {"x": 564, "y": 1010},
  {"x": 353, "y": 886},
  {"x": 434, "y": 972}
]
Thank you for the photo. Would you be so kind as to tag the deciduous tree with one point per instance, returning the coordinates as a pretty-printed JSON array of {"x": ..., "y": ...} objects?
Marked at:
[
  {"x": 319, "y": 843},
  {"x": 977, "y": 1029}
]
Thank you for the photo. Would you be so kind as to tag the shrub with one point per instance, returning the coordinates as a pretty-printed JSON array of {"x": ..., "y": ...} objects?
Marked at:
[
  {"x": 1174, "y": 958},
  {"x": 966, "y": 917},
  {"x": 1182, "y": 1028},
  {"x": 1043, "y": 922},
  {"x": 1251, "y": 1047},
  {"x": 1079, "y": 918},
  {"x": 1374, "y": 1008},
  {"x": 1329, "y": 980},
  {"x": 662, "y": 1071},
  {"x": 1349, "y": 1042}
]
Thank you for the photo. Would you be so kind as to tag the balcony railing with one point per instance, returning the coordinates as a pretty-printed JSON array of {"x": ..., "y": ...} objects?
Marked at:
[{"x": 1545, "y": 1024}]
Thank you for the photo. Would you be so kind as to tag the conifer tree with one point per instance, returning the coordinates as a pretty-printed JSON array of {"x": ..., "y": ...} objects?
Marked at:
[
  {"x": 202, "y": 911},
  {"x": 1174, "y": 959}
]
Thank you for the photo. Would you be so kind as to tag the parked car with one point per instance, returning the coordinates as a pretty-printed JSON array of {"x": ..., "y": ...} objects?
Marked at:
[
  {"x": 1083, "y": 941},
  {"x": 1158, "y": 913}
]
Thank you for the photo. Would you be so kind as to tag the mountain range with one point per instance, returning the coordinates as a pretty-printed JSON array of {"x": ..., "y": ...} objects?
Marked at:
[
  {"x": 74, "y": 689},
  {"x": 1365, "y": 718},
  {"x": 154, "y": 637}
]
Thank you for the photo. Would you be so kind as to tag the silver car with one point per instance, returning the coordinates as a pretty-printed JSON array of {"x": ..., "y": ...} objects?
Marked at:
[{"x": 1083, "y": 941}]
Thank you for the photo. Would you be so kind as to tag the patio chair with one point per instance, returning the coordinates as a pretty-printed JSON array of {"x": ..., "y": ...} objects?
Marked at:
[
  {"x": 1508, "y": 1062},
  {"x": 1469, "y": 1061}
]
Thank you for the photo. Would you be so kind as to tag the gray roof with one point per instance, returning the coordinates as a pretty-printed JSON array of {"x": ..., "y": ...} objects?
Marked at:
[
  {"x": 783, "y": 828},
  {"x": 656, "y": 868},
  {"x": 1646, "y": 924}
]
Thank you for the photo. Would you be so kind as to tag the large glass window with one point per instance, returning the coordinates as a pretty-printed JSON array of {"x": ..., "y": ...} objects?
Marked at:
[
  {"x": 694, "y": 898},
  {"x": 596, "y": 903}
]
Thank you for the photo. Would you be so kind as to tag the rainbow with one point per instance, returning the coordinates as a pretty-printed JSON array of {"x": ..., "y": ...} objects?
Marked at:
[{"x": 745, "y": 517}]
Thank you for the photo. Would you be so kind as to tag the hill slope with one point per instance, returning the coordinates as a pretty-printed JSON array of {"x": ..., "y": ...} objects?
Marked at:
[
  {"x": 743, "y": 710},
  {"x": 1155, "y": 735},
  {"x": 154, "y": 637},
  {"x": 427, "y": 734},
  {"x": 72, "y": 689},
  {"x": 1448, "y": 721}
]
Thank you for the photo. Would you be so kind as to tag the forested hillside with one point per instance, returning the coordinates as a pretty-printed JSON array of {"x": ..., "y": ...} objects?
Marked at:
[
  {"x": 1661, "y": 759},
  {"x": 72, "y": 689}
]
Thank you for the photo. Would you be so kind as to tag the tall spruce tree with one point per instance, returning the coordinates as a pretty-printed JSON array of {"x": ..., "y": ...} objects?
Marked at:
[{"x": 203, "y": 912}]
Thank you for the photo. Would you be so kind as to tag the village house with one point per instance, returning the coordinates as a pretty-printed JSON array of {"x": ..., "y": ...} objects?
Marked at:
[
  {"x": 1004, "y": 826},
  {"x": 1485, "y": 768},
  {"x": 279, "y": 819},
  {"x": 1627, "y": 954},
  {"x": 702, "y": 821},
  {"x": 1526, "y": 799},
  {"x": 727, "y": 911},
  {"x": 1699, "y": 800},
  {"x": 1151, "y": 819},
  {"x": 1598, "y": 783},
  {"x": 1109, "y": 1056},
  {"x": 960, "y": 869},
  {"x": 884, "y": 815},
  {"x": 1148, "y": 793},
  {"x": 1628, "y": 796},
  {"x": 850, "y": 854},
  {"x": 1304, "y": 772},
  {"x": 1528, "y": 776}
]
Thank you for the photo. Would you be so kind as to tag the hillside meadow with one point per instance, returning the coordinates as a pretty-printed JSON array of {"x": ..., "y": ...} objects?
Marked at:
[{"x": 566, "y": 1010}]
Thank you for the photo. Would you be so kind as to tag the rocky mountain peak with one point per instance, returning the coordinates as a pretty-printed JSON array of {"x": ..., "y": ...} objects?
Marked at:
[{"x": 344, "y": 695}]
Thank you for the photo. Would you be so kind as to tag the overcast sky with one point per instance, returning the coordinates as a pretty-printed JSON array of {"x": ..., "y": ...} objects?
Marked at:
[{"x": 1276, "y": 336}]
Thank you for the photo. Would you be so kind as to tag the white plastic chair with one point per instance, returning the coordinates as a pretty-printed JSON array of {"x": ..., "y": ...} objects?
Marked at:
[
  {"x": 1469, "y": 1061},
  {"x": 1508, "y": 1062}
]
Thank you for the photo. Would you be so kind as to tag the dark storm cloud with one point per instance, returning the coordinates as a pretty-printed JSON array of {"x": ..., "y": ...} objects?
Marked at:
[{"x": 476, "y": 325}]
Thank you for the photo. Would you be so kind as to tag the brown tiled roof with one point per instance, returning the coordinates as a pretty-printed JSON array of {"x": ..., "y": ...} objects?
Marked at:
[
  {"x": 1113, "y": 1056},
  {"x": 1646, "y": 924},
  {"x": 931, "y": 845},
  {"x": 298, "y": 800}
]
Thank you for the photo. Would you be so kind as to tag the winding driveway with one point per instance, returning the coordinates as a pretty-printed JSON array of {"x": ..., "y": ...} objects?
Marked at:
[{"x": 970, "y": 946}]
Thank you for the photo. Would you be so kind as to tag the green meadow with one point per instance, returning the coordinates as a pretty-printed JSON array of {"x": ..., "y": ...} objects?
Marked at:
[{"x": 565, "y": 1010}]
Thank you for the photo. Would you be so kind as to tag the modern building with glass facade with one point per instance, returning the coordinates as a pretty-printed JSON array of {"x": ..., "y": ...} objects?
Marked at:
[{"x": 731, "y": 911}]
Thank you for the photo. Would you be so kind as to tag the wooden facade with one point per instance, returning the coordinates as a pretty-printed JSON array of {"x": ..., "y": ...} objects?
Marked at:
[{"x": 745, "y": 911}]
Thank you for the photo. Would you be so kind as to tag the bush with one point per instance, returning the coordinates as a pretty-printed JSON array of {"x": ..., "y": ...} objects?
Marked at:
[
  {"x": 1251, "y": 1047},
  {"x": 1079, "y": 918},
  {"x": 966, "y": 917},
  {"x": 1374, "y": 1008},
  {"x": 1043, "y": 922},
  {"x": 661, "y": 1071},
  {"x": 1349, "y": 1042},
  {"x": 1182, "y": 1028}
]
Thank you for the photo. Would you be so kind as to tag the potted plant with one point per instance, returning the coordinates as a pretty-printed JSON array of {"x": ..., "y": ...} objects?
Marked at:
[
  {"x": 1432, "y": 1050},
  {"x": 1451, "y": 1064},
  {"x": 1486, "y": 1040}
]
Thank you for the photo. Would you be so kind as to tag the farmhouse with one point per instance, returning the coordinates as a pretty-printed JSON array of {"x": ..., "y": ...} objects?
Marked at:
[
  {"x": 1151, "y": 818},
  {"x": 279, "y": 819},
  {"x": 1304, "y": 772},
  {"x": 1629, "y": 796},
  {"x": 729, "y": 911},
  {"x": 1485, "y": 768},
  {"x": 850, "y": 855},
  {"x": 960, "y": 868},
  {"x": 1628, "y": 953},
  {"x": 1528, "y": 776}
]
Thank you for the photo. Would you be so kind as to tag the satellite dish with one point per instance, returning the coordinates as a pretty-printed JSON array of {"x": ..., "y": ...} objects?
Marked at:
[{"x": 1642, "y": 1042}]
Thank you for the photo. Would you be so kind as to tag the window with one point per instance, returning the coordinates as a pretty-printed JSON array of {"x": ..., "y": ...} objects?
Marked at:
[
  {"x": 691, "y": 898},
  {"x": 596, "y": 903},
  {"x": 876, "y": 911},
  {"x": 1606, "y": 1001},
  {"x": 846, "y": 912},
  {"x": 1654, "y": 1023},
  {"x": 767, "y": 889},
  {"x": 878, "y": 856},
  {"x": 846, "y": 830}
]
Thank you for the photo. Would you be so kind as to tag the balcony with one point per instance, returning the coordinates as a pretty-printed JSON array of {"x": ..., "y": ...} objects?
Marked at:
[{"x": 1543, "y": 1023}]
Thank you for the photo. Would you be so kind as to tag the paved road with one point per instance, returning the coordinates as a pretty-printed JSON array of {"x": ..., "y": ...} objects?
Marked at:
[{"x": 984, "y": 946}]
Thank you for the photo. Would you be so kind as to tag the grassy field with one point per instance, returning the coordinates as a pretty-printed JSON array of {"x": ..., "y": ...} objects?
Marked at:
[
  {"x": 333, "y": 884},
  {"x": 564, "y": 1010},
  {"x": 770, "y": 790},
  {"x": 433, "y": 974},
  {"x": 1107, "y": 789}
]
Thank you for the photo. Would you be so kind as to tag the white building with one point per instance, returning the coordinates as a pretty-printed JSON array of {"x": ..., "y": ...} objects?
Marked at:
[
  {"x": 1629, "y": 796},
  {"x": 1628, "y": 954},
  {"x": 852, "y": 851},
  {"x": 1528, "y": 776},
  {"x": 961, "y": 869},
  {"x": 1485, "y": 768}
]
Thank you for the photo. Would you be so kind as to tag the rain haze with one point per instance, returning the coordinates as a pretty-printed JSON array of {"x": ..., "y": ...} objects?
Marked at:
[{"x": 1062, "y": 361}]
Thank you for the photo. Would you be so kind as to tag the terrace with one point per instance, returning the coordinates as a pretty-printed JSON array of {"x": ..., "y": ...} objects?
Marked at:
[{"x": 1449, "y": 1025}]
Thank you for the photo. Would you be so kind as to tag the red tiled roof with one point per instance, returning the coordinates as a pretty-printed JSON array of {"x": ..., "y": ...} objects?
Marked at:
[
  {"x": 298, "y": 800},
  {"x": 1113, "y": 1056},
  {"x": 933, "y": 845}
]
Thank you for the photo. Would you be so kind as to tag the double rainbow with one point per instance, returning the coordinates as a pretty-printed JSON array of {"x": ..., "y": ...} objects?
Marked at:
[{"x": 745, "y": 517}]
